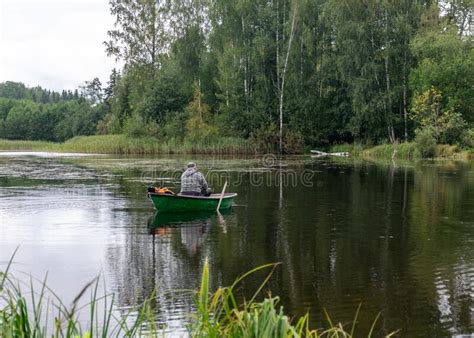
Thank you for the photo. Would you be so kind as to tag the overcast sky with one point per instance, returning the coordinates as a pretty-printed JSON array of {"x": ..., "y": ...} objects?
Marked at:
[{"x": 56, "y": 44}]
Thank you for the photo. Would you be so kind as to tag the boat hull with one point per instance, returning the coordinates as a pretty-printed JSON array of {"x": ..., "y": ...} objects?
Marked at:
[{"x": 166, "y": 202}]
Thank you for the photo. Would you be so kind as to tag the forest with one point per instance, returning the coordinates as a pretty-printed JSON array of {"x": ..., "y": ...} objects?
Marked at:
[{"x": 281, "y": 75}]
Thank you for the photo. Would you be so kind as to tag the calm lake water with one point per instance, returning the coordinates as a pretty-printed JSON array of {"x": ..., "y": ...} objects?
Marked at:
[{"x": 396, "y": 237}]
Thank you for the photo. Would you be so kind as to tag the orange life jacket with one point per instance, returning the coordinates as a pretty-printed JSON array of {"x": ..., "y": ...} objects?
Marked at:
[{"x": 163, "y": 190}]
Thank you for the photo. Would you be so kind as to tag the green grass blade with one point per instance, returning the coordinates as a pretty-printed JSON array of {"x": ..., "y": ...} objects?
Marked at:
[
  {"x": 355, "y": 319},
  {"x": 328, "y": 318},
  {"x": 373, "y": 325},
  {"x": 263, "y": 283},
  {"x": 5, "y": 273}
]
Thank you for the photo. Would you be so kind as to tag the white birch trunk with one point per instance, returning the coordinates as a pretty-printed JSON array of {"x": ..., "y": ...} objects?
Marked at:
[{"x": 285, "y": 67}]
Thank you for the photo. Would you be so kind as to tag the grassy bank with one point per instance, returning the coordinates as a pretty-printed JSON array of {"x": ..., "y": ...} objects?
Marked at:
[
  {"x": 27, "y": 145},
  {"x": 402, "y": 151},
  {"x": 122, "y": 144},
  {"x": 24, "y": 312}
]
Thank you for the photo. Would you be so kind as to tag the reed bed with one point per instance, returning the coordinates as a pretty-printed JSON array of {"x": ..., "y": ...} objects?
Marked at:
[
  {"x": 25, "y": 311},
  {"x": 122, "y": 144},
  {"x": 27, "y": 145},
  {"x": 410, "y": 151},
  {"x": 405, "y": 151}
]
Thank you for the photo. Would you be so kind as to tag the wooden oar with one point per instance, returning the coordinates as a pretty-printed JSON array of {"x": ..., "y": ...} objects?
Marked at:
[{"x": 222, "y": 196}]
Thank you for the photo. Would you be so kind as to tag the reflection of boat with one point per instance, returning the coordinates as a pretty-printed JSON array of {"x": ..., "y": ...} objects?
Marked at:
[
  {"x": 171, "y": 220},
  {"x": 187, "y": 228},
  {"x": 168, "y": 202}
]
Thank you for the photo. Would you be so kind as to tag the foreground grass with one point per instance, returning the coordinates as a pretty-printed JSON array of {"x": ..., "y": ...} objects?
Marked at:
[
  {"x": 122, "y": 144},
  {"x": 25, "y": 314}
]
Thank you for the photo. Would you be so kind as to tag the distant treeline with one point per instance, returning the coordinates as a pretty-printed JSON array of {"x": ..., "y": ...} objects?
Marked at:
[
  {"x": 18, "y": 91},
  {"x": 40, "y": 114},
  {"x": 284, "y": 73}
]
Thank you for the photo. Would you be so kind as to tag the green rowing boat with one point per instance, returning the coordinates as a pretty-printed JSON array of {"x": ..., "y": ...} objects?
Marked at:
[{"x": 169, "y": 202}]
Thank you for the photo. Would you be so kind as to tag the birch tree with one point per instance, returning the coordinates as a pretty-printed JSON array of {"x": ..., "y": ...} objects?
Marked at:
[
  {"x": 141, "y": 31},
  {"x": 283, "y": 68}
]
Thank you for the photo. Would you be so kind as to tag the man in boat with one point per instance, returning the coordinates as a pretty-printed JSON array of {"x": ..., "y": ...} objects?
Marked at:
[{"x": 193, "y": 182}]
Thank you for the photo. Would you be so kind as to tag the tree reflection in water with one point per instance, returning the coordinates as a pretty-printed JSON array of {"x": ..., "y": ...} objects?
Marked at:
[{"x": 396, "y": 238}]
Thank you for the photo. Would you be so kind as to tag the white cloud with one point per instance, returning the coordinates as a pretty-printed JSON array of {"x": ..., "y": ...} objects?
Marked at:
[{"x": 57, "y": 44}]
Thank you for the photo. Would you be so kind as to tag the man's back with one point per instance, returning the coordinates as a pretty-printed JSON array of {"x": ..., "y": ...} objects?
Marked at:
[{"x": 192, "y": 181}]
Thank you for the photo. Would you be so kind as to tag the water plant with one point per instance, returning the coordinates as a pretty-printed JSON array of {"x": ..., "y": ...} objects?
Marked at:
[
  {"x": 34, "y": 310},
  {"x": 41, "y": 313},
  {"x": 220, "y": 315},
  {"x": 123, "y": 144}
]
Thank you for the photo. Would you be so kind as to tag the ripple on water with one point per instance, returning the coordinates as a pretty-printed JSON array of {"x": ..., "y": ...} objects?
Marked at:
[
  {"x": 45, "y": 170},
  {"x": 366, "y": 236}
]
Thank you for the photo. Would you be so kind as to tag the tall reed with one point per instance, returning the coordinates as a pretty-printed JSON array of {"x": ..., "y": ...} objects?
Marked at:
[
  {"x": 41, "y": 313},
  {"x": 220, "y": 315},
  {"x": 26, "y": 311},
  {"x": 123, "y": 144}
]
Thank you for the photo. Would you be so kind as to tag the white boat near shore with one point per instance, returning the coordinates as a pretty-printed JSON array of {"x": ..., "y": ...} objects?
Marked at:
[{"x": 318, "y": 153}]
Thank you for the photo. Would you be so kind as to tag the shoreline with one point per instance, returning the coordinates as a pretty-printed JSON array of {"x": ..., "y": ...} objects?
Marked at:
[
  {"x": 403, "y": 151},
  {"x": 120, "y": 144},
  {"x": 123, "y": 145}
]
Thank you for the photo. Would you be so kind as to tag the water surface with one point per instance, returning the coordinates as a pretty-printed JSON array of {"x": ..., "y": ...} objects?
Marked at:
[{"x": 394, "y": 237}]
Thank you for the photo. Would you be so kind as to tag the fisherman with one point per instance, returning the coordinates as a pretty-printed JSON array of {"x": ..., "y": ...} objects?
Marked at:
[{"x": 193, "y": 182}]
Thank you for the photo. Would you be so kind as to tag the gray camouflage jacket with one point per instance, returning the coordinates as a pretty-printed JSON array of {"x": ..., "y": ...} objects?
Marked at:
[{"x": 193, "y": 181}]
